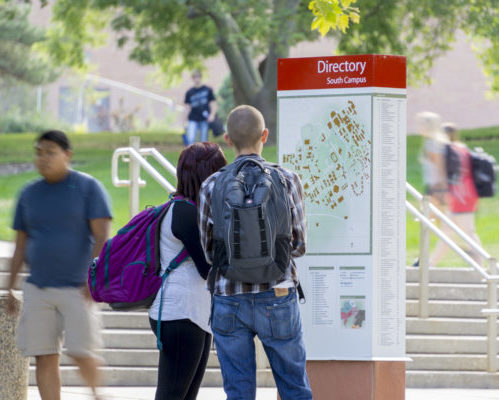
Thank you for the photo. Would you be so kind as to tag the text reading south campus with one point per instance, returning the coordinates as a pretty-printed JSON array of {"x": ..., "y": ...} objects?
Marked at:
[{"x": 346, "y": 66}]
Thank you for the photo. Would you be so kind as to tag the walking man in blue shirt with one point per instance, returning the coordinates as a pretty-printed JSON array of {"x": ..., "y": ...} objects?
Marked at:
[{"x": 62, "y": 221}]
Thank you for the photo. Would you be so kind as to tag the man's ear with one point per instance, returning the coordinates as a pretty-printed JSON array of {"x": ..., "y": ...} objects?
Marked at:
[
  {"x": 265, "y": 135},
  {"x": 227, "y": 139},
  {"x": 69, "y": 155}
]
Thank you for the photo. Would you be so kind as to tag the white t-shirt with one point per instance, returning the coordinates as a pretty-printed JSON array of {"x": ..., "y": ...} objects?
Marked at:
[
  {"x": 432, "y": 172},
  {"x": 185, "y": 294}
]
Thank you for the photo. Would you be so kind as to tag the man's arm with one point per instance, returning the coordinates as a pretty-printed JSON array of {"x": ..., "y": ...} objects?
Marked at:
[
  {"x": 213, "y": 110},
  {"x": 299, "y": 222},
  {"x": 16, "y": 264},
  {"x": 186, "y": 114},
  {"x": 100, "y": 227},
  {"x": 205, "y": 221}
]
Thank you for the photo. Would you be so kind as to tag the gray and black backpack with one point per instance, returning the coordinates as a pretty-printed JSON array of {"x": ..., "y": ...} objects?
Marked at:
[{"x": 251, "y": 222}]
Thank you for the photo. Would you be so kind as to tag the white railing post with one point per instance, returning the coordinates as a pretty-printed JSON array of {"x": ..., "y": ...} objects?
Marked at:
[
  {"x": 424, "y": 260},
  {"x": 492, "y": 317},
  {"x": 134, "y": 168}
]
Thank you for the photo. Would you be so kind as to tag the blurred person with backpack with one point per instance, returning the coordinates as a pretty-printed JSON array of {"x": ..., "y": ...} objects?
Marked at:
[
  {"x": 252, "y": 224},
  {"x": 433, "y": 160},
  {"x": 462, "y": 196},
  {"x": 184, "y": 309},
  {"x": 201, "y": 110},
  {"x": 433, "y": 157},
  {"x": 62, "y": 221}
]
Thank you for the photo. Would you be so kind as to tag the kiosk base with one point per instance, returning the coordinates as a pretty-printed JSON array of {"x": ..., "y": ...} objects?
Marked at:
[{"x": 357, "y": 380}]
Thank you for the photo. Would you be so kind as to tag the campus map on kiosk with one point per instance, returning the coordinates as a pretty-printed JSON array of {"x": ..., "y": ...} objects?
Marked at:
[{"x": 328, "y": 144}]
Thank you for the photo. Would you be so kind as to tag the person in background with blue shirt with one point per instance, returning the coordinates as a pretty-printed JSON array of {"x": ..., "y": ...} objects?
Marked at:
[
  {"x": 201, "y": 108},
  {"x": 62, "y": 221}
]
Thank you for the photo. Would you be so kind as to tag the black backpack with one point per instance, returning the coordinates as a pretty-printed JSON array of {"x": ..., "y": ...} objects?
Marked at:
[
  {"x": 251, "y": 222},
  {"x": 452, "y": 165},
  {"x": 484, "y": 175}
]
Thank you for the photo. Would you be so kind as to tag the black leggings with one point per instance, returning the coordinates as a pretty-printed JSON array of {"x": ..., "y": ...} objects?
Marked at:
[{"x": 183, "y": 360}]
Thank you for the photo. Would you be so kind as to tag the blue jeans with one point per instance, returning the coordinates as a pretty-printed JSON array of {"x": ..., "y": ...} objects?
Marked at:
[
  {"x": 276, "y": 320},
  {"x": 193, "y": 127}
]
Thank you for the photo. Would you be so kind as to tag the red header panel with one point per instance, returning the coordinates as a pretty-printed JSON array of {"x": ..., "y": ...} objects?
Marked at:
[{"x": 341, "y": 72}]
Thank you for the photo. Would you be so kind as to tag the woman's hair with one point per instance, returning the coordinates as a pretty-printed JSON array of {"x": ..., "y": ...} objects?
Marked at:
[
  {"x": 451, "y": 131},
  {"x": 196, "y": 163}
]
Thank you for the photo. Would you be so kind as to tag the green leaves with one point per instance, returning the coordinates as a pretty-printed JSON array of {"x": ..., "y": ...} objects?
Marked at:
[
  {"x": 333, "y": 15},
  {"x": 21, "y": 58}
]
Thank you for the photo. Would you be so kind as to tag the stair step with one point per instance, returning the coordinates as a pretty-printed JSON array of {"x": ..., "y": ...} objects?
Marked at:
[
  {"x": 145, "y": 376},
  {"x": 445, "y": 275},
  {"x": 452, "y": 379},
  {"x": 446, "y": 326},
  {"x": 448, "y": 308},
  {"x": 450, "y": 291},
  {"x": 125, "y": 320},
  {"x": 446, "y": 344},
  {"x": 131, "y": 357},
  {"x": 447, "y": 362},
  {"x": 4, "y": 280},
  {"x": 128, "y": 339},
  {"x": 437, "y": 275},
  {"x": 5, "y": 264}
]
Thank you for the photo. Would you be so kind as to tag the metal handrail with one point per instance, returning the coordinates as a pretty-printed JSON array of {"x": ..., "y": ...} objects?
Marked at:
[
  {"x": 137, "y": 156},
  {"x": 150, "y": 151},
  {"x": 449, "y": 222},
  {"x": 449, "y": 242},
  {"x": 490, "y": 277},
  {"x": 132, "y": 89}
]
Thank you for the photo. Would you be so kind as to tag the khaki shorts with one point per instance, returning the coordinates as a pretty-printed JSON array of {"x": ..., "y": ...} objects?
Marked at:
[{"x": 48, "y": 313}]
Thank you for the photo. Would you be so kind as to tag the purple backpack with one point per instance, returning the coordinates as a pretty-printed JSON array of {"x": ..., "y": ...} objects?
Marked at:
[{"x": 127, "y": 272}]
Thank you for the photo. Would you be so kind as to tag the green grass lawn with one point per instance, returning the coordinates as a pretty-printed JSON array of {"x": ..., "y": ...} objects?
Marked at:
[{"x": 92, "y": 154}]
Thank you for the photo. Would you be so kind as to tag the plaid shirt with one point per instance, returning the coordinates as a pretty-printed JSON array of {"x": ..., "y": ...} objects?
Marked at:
[{"x": 225, "y": 287}]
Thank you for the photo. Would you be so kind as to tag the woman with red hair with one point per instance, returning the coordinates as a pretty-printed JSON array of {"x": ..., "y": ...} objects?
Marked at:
[{"x": 185, "y": 333}]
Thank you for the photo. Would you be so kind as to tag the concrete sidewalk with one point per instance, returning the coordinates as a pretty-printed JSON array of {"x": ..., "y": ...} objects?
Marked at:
[{"x": 135, "y": 393}]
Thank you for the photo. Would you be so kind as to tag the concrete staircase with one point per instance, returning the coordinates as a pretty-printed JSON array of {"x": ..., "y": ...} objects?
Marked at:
[
  {"x": 448, "y": 349},
  {"x": 129, "y": 353}
]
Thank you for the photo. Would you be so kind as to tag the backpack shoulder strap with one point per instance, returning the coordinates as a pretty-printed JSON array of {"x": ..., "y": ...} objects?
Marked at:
[
  {"x": 165, "y": 208},
  {"x": 245, "y": 161},
  {"x": 174, "y": 263},
  {"x": 276, "y": 171}
]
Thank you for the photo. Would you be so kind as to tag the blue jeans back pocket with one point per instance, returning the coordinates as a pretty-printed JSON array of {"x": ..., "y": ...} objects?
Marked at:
[
  {"x": 284, "y": 319},
  {"x": 224, "y": 315}
]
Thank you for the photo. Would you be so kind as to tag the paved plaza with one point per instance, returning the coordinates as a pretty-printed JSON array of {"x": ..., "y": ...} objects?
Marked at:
[{"x": 134, "y": 393}]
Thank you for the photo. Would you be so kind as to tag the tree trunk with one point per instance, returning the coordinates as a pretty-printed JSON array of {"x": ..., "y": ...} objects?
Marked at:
[
  {"x": 266, "y": 101},
  {"x": 266, "y": 98},
  {"x": 253, "y": 86}
]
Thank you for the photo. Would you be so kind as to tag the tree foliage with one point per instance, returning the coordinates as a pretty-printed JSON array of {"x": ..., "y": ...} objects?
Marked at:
[
  {"x": 423, "y": 30},
  {"x": 178, "y": 35},
  {"x": 19, "y": 59},
  {"x": 333, "y": 15}
]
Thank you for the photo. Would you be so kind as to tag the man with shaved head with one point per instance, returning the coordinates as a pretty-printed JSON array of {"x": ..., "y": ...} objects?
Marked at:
[{"x": 242, "y": 309}]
